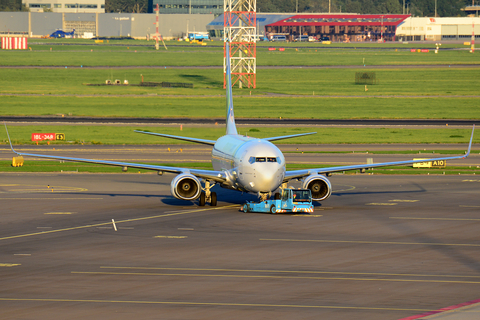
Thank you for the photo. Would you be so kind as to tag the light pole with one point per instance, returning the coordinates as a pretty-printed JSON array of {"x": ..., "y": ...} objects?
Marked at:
[{"x": 435, "y": 8}]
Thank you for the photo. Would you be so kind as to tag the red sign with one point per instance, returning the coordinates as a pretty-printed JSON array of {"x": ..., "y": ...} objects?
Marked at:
[
  {"x": 272, "y": 49},
  {"x": 281, "y": 49},
  {"x": 412, "y": 50},
  {"x": 425, "y": 50},
  {"x": 43, "y": 136}
]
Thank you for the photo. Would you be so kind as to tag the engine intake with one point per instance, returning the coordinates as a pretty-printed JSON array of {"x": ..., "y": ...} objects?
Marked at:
[
  {"x": 319, "y": 186},
  {"x": 185, "y": 187}
]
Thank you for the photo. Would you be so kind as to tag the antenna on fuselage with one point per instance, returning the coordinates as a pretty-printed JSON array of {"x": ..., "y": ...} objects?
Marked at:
[{"x": 231, "y": 128}]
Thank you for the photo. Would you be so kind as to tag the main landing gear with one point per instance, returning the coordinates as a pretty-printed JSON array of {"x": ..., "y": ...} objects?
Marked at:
[{"x": 207, "y": 195}]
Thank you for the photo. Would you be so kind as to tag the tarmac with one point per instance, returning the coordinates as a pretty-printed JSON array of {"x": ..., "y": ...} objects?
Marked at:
[{"x": 119, "y": 246}]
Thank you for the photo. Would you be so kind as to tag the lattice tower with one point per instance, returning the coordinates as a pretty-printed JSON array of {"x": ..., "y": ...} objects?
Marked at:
[{"x": 240, "y": 29}]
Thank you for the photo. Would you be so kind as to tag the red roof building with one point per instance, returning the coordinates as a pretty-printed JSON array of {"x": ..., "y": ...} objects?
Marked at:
[{"x": 339, "y": 27}]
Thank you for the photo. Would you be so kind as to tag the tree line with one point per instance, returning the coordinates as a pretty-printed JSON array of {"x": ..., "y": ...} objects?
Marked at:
[{"x": 418, "y": 8}]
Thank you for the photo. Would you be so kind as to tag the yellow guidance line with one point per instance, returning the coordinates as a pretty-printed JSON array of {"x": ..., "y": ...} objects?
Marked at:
[
  {"x": 377, "y": 242},
  {"x": 110, "y": 222},
  {"x": 211, "y": 304},
  {"x": 268, "y": 277},
  {"x": 439, "y": 219},
  {"x": 295, "y": 271}
]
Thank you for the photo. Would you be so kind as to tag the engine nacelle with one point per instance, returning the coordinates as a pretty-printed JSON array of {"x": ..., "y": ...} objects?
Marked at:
[
  {"x": 185, "y": 187},
  {"x": 319, "y": 186}
]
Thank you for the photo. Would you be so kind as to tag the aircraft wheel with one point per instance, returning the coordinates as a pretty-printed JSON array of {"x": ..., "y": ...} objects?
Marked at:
[
  {"x": 245, "y": 208},
  {"x": 213, "y": 201},
  {"x": 273, "y": 210},
  {"x": 202, "y": 199}
]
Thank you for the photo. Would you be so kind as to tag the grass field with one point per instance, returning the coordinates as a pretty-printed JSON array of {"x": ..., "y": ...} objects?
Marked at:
[
  {"x": 326, "y": 135},
  {"x": 71, "y": 53}
]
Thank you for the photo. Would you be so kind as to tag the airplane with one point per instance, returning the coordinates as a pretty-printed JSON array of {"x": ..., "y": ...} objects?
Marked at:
[{"x": 241, "y": 163}]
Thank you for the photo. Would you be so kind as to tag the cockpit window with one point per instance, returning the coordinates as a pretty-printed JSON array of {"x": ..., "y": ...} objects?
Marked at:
[{"x": 252, "y": 160}]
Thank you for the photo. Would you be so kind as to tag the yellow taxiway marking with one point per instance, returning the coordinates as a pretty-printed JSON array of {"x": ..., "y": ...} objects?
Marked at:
[
  {"x": 211, "y": 304},
  {"x": 110, "y": 222},
  {"x": 171, "y": 237},
  {"x": 446, "y": 219},
  {"x": 308, "y": 215},
  {"x": 59, "y": 212},
  {"x": 378, "y": 242},
  {"x": 298, "y": 272},
  {"x": 403, "y": 200},
  {"x": 380, "y": 204},
  {"x": 9, "y": 264},
  {"x": 268, "y": 277},
  {"x": 47, "y": 198},
  {"x": 469, "y": 206}
]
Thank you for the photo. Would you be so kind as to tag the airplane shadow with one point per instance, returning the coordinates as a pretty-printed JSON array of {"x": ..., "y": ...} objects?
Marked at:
[{"x": 202, "y": 79}]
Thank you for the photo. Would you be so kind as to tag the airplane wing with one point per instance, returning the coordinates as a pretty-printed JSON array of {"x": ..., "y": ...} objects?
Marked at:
[
  {"x": 202, "y": 141},
  {"x": 298, "y": 174},
  {"x": 218, "y": 176},
  {"x": 289, "y": 136}
]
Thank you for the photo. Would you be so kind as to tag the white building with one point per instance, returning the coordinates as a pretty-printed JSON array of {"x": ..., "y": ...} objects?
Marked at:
[
  {"x": 437, "y": 29},
  {"x": 67, "y": 6}
]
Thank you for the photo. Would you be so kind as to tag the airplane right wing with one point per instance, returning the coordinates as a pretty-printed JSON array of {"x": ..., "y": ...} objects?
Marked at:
[{"x": 202, "y": 141}]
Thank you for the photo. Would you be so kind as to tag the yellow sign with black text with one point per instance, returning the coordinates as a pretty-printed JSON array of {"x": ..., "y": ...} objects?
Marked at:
[{"x": 430, "y": 164}]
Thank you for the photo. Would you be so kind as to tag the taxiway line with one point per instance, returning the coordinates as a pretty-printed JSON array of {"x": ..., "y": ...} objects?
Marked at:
[
  {"x": 295, "y": 271},
  {"x": 377, "y": 242},
  {"x": 267, "y": 277},
  {"x": 437, "y": 219},
  {"x": 108, "y": 223},
  {"x": 213, "y": 304}
]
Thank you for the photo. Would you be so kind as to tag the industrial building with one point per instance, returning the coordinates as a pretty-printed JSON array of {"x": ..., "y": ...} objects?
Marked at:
[
  {"x": 135, "y": 25},
  {"x": 438, "y": 29},
  {"x": 214, "y": 7},
  {"x": 68, "y": 6}
]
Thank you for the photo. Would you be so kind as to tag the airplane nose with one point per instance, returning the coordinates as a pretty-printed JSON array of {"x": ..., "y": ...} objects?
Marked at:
[{"x": 268, "y": 179}]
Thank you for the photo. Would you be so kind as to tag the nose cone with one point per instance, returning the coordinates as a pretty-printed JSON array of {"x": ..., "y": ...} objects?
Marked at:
[{"x": 262, "y": 168}]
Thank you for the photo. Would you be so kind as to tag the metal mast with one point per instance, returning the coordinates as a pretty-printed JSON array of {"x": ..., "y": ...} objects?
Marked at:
[{"x": 240, "y": 29}]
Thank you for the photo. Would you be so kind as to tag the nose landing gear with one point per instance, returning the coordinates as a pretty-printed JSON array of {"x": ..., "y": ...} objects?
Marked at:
[{"x": 207, "y": 196}]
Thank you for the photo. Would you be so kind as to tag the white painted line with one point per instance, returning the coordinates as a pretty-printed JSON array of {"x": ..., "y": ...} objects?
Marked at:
[
  {"x": 187, "y": 229},
  {"x": 22, "y": 254},
  {"x": 403, "y": 200},
  {"x": 380, "y": 204},
  {"x": 114, "y": 226}
]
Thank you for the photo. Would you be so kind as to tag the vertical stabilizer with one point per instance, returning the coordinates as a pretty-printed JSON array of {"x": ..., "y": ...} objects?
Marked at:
[{"x": 231, "y": 128}]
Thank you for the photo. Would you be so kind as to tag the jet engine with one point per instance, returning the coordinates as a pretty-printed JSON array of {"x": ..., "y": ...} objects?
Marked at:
[
  {"x": 319, "y": 186},
  {"x": 185, "y": 187}
]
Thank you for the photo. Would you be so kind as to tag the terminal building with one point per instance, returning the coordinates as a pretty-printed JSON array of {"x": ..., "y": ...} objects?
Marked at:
[{"x": 358, "y": 27}]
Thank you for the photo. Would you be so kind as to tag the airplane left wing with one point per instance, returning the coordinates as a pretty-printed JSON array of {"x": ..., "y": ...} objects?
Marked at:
[
  {"x": 298, "y": 174},
  {"x": 218, "y": 176},
  {"x": 289, "y": 136}
]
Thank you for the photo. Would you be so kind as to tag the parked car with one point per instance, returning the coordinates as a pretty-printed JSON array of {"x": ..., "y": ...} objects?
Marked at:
[
  {"x": 279, "y": 37},
  {"x": 301, "y": 38}
]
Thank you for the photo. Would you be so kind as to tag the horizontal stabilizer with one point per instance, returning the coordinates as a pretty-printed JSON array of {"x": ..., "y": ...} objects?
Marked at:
[{"x": 202, "y": 141}]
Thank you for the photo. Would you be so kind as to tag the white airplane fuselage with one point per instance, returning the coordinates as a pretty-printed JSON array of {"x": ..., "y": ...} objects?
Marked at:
[{"x": 253, "y": 165}]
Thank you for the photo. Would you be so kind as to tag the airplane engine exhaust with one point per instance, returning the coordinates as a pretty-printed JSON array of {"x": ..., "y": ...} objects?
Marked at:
[
  {"x": 319, "y": 186},
  {"x": 185, "y": 187}
]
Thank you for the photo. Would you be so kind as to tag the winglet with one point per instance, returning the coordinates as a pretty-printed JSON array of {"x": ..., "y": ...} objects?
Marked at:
[
  {"x": 470, "y": 144},
  {"x": 231, "y": 128},
  {"x": 10, "y": 141}
]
